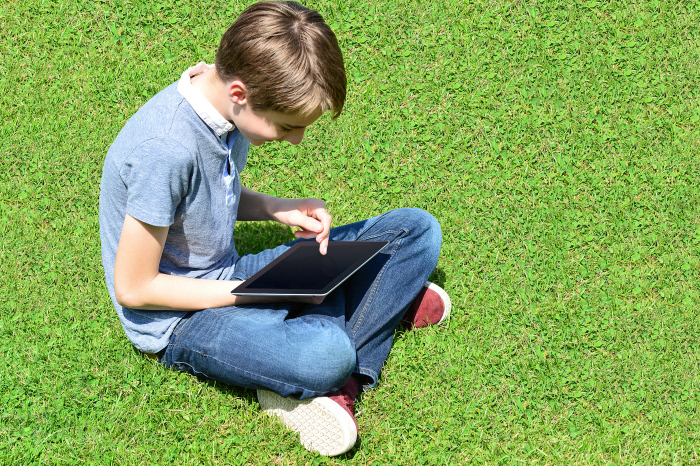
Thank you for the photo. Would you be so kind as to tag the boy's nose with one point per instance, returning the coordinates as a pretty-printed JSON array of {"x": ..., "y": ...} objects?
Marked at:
[{"x": 295, "y": 136}]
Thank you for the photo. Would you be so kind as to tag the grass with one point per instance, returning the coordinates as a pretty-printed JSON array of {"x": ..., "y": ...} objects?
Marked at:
[{"x": 555, "y": 141}]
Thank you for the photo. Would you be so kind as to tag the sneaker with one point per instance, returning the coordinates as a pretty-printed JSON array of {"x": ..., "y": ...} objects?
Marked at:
[
  {"x": 325, "y": 424},
  {"x": 431, "y": 307}
]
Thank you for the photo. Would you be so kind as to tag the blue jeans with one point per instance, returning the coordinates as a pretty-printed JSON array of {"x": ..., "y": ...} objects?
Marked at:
[{"x": 306, "y": 350}]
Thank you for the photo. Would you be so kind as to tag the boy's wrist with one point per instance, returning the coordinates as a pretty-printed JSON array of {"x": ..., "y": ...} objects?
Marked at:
[
  {"x": 271, "y": 207},
  {"x": 257, "y": 206}
]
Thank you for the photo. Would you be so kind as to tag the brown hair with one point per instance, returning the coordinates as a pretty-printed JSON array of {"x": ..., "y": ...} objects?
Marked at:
[{"x": 287, "y": 57}]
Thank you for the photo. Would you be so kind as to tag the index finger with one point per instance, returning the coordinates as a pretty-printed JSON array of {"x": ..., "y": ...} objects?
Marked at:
[{"x": 325, "y": 218}]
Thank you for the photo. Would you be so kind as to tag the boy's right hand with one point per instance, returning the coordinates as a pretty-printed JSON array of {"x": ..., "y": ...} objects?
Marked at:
[{"x": 308, "y": 214}]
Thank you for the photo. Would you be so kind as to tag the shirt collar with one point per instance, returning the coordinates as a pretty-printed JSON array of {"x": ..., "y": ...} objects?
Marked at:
[{"x": 199, "y": 103}]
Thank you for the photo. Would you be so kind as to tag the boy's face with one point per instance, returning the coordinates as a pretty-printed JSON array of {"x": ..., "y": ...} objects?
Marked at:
[{"x": 261, "y": 126}]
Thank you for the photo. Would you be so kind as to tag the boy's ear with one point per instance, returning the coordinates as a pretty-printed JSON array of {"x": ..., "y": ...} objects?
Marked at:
[{"x": 237, "y": 92}]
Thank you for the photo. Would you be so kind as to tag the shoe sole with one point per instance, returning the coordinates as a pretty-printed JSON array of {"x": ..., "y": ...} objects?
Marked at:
[
  {"x": 323, "y": 425},
  {"x": 445, "y": 299}
]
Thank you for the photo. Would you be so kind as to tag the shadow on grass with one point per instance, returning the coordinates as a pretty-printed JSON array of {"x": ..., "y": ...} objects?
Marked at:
[
  {"x": 254, "y": 237},
  {"x": 247, "y": 394},
  {"x": 438, "y": 277}
]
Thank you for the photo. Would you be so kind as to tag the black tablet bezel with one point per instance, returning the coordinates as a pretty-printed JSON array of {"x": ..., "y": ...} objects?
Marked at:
[{"x": 244, "y": 290}]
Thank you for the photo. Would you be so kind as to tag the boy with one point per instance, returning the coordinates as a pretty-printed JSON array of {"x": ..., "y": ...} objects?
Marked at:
[{"x": 171, "y": 194}]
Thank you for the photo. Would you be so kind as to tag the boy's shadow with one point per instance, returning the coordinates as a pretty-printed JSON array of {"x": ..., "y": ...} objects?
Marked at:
[
  {"x": 254, "y": 237},
  {"x": 438, "y": 277}
]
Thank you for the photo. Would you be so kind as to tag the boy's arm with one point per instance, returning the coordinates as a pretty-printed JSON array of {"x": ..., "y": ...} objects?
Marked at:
[
  {"x": 138, "y": 284},
  {"x": 308, "y": 214}
]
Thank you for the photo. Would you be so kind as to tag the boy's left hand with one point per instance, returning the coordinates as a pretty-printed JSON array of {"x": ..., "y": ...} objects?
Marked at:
[{"x": 308, "y": 214}]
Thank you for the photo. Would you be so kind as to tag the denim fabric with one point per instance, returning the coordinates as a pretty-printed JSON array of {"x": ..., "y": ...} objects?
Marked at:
[{"x": 305, "y": 350}]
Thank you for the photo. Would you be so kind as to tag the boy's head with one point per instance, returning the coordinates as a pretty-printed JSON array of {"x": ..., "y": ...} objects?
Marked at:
[{"x": 287, "y": 57}]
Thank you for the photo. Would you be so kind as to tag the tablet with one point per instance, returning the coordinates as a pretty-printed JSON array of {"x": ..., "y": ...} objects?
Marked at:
[{"x": 303, "y": 271}]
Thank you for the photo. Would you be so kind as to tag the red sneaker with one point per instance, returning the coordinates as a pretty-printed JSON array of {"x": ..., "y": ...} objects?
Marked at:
[
  {"x": 325, "y": 424},
  {"x": 431, "y": 307}
]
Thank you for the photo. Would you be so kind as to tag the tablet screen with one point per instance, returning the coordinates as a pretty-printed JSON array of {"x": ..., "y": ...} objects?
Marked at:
[{"x": 304, "y": 271}]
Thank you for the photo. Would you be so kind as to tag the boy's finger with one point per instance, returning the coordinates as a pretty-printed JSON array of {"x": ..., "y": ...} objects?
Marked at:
[
  {"x": 306, "y": 234},
  {"x": 324, "y": 246},
  {"x": 325, "y": 218},
  {"x": 322, "y": 237},
  {"x": 306, "y": 223}
]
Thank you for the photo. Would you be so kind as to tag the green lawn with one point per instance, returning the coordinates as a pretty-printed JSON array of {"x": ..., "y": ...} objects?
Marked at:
[{"x": 556, "y": 142}]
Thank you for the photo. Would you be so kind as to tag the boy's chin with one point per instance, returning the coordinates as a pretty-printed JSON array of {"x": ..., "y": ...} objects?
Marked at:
[{"x": 256, "y": 142}]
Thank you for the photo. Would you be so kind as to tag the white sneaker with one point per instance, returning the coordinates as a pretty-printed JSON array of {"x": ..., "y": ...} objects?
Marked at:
[{"x": 325, "y": 424}]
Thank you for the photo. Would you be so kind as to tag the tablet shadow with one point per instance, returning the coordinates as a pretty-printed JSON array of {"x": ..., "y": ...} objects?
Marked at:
[{"x": 254, "y": 237}]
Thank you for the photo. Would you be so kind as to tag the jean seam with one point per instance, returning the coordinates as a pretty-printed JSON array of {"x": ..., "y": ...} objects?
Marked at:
[
  {"x": 380, "y": 275},
  {"x": 243, "y": 269},
  {"x": 381, "y": 234},
  {"x": 180, "y": 330},
  {"x": 240, "y": 370},
  {"x": 368, "y": 372},
  {"x": 369, "y": 225}
]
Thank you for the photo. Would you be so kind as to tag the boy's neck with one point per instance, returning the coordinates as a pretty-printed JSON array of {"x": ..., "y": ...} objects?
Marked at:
[{"x": 215, "y": 91}]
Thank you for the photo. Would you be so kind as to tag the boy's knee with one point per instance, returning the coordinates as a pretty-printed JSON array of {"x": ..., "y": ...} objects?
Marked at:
[
  {"x": 423, "y": 226},
  {"x": 428, "y": 225},
  {"x": 328, "y": 362}
]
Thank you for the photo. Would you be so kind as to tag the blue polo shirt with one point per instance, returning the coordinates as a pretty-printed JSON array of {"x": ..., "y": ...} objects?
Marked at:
[{"x": 176, "y": 163}]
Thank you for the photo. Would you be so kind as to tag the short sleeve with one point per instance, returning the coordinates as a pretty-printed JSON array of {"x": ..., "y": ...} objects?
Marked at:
[{"x": 157, "y": 175}]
